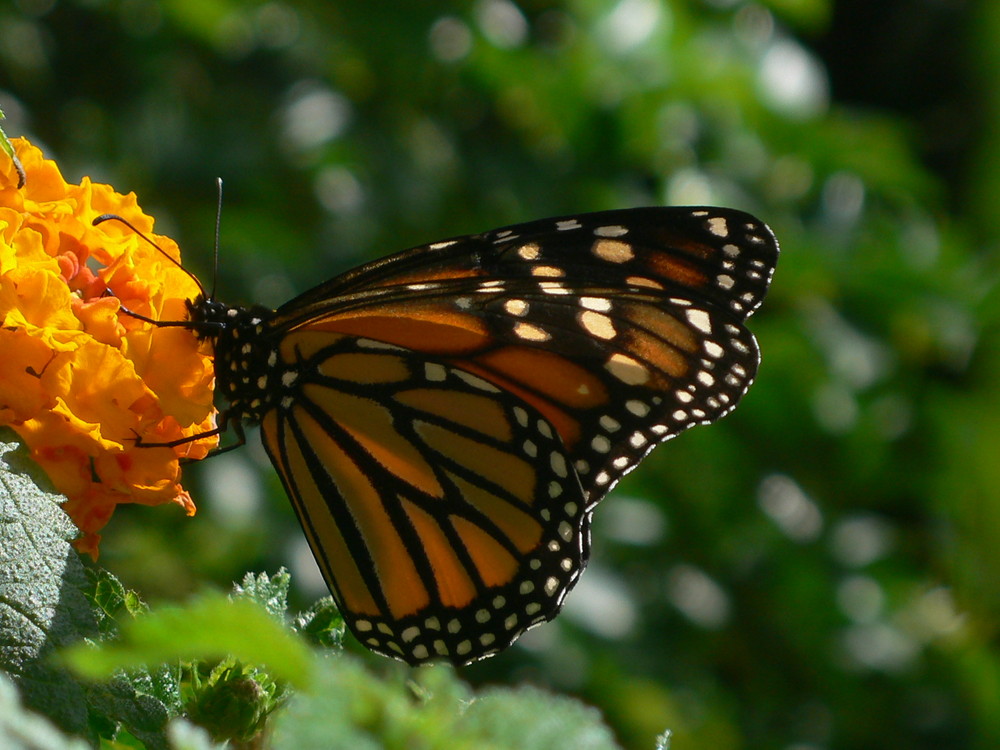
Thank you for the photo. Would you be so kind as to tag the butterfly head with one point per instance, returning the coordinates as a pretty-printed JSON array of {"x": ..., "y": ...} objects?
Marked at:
[{"x": 209, "y": 316}]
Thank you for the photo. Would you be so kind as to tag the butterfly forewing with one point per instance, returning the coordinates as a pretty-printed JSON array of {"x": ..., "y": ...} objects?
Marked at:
[
  {"x": 728, "y": 255},
  {"x": 445, "y": 419},
  {"x": 621, "y": 374}
]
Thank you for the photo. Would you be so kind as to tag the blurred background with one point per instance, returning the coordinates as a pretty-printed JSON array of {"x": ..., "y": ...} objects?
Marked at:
[{"x": 818, "y": 570}]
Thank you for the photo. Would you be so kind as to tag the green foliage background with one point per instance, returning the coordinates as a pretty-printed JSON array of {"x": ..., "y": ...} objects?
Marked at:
[{"x": 816, "y": 571}]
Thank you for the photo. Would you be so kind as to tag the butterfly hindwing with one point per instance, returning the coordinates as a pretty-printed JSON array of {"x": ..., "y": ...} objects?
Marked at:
[{"x": 443, "y": 512}]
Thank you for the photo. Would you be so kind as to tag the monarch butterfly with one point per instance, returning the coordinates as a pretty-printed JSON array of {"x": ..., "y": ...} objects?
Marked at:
[{"x": 445, "y": 420}]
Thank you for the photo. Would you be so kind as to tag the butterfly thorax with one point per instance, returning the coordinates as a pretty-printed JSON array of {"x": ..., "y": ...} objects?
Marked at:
[{"x": 249, "y": 373}]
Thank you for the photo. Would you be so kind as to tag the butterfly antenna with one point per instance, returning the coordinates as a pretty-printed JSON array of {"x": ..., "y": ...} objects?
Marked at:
[
  {"x": 218, "y": 230},
  {"x": 122, "y": 220}
]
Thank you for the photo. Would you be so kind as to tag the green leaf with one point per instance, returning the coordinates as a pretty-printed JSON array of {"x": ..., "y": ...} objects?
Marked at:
[
  {"x": 211, "y": 627},
  {"x": 270, "y": 593},
  {"x": 232, "y": 700},
  {"x": 321, "y": 624},
  {"x": 21, "y": 728},
  {"x": 142, "y": 699},
  {"x": 352, "y": 709},
  {"x": 143, "y": 715},
  {"x": 531, "y": 719},
  {"x": 111, "y": 601},
  {"x": 349, "y": 707},
  {"x": 42, "y": 606}
]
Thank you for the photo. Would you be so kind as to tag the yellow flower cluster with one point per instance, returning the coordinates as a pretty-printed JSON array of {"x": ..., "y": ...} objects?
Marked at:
[{"x": 80, "y": 380}]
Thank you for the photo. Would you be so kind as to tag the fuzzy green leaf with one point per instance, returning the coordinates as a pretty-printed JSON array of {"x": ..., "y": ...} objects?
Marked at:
[
  {"x": 118, "y": 700},
  {"x": 111, "y": 601},
  {"x": 351, "y": 708},
  {"x": 321, "y": 624},
  {"x": 42, "y": 606},
  {"x": 271, "y": 592},
  {"x": 531, "y": 719},
  {"x": 21, "y": 728}
]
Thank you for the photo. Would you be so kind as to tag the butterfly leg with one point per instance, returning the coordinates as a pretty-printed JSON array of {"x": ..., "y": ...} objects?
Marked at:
[{"x": 222, "y": 428}]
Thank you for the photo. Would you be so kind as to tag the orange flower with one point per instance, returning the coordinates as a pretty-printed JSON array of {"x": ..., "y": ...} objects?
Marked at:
[{"x": 80, "y": 380}]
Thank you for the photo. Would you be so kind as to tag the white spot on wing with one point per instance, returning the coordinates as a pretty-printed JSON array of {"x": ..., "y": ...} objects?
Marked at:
[
  {"x": 475, "y": 381},
  {"x": 609, "y": 423},
  {"x": 553, "y": 287},
  {"x": 530, "y": 332},
  {"x": 373, "y": 344},
  {"x": 597, "y": 324},
  {"x": 717, "y": 225},
  {"x": 547, "y": 271},
  {"x": 558, "y": 463},
  {"x": 700, "y": 320},
  {"x": 530, "y": 251},
  {"x": 515, "y": 307},
  {"x": 598, "y": 304},
  {"x": 434, "y": 372},
  {"x": 639, "y": 408},
  {"x": 613, "y": 251},
  {"x": 628, "y": 370}
]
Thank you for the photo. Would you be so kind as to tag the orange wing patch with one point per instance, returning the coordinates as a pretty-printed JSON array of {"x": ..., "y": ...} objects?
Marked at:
[
  {"x": 454, "y": 587},
  {"x": 521, "y": 529},
  {"x": 552, "y": 384},
  {"x": 439, "y": 331},
  {"x": 469, "y": 410},
  {"x": 393, "y": 563},
  {"x": 324, "y": 536},
  {"x": 371, "y": 425},
  {"x": 495, "y": 565},
  {"x": 499, "y": 467},
  {"x": 305, "y": 344},
  {"x": 367, "y": 369}
]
